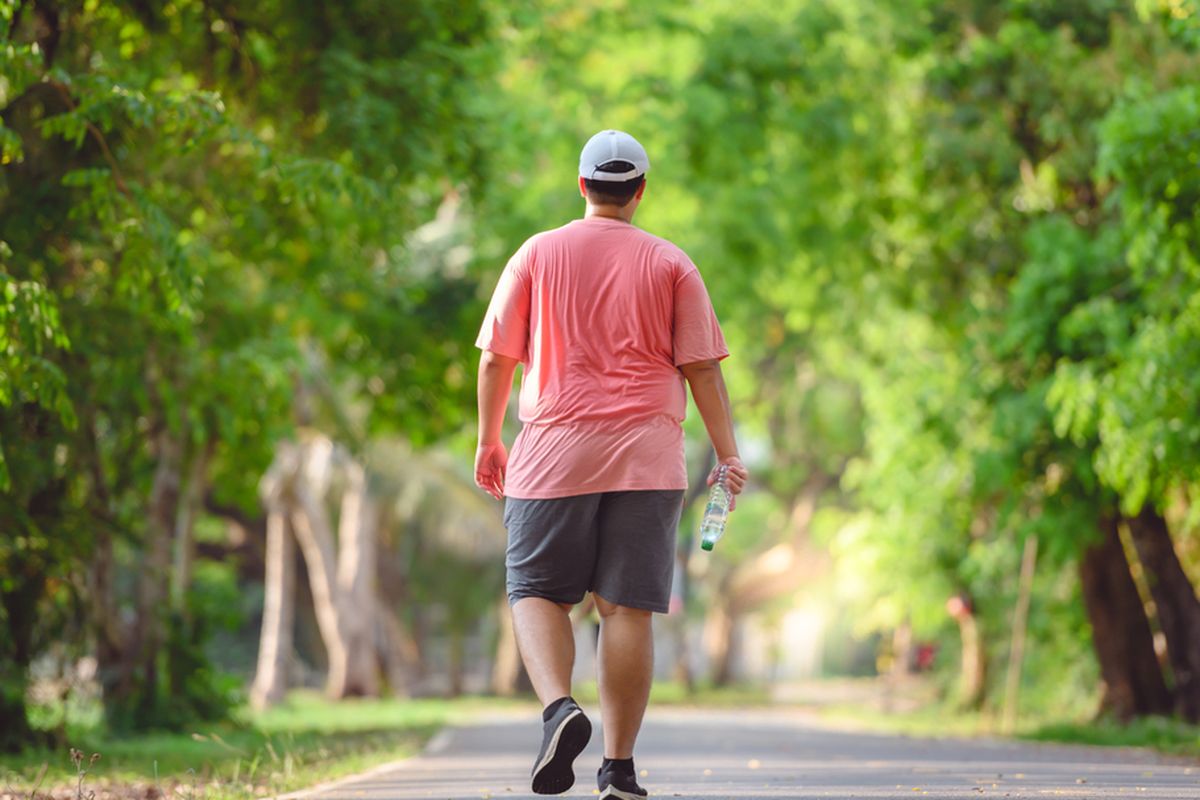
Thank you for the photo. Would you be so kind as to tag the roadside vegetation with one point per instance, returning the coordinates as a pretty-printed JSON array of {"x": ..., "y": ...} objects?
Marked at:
[
  {"x": 245, "y": 249},
  {"x": 917, "y": 706},
  {"x": 1169, "y": 737},
  {"x": 302, "y": 742}
]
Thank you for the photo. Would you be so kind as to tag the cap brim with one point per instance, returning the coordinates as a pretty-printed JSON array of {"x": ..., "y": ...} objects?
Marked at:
[{"x": 612, "y": 177}]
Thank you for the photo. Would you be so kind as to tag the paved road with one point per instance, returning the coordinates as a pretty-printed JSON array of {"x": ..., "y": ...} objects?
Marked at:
[{"x": 754, "y": 755}]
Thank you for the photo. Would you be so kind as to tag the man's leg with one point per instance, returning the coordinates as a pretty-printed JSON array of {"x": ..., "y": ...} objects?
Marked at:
[
  {"x": 548, "y": 556},
  {"x": 547, "y": 645},
  {"x": 625, "y": 663}
]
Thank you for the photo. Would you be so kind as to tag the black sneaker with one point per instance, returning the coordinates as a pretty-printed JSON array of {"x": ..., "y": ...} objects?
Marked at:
[
  {"x": 564, "y": 737},
  {"x": 616, "y": 783}
]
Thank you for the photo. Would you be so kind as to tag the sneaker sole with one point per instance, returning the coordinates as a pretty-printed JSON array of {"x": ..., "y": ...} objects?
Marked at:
[
  {"x": 554, "y": 773},
  {"x": 614, "y": 792}
]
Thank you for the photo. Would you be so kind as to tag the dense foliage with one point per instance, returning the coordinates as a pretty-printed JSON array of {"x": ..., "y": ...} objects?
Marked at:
[{"x": 955, "y": 245}]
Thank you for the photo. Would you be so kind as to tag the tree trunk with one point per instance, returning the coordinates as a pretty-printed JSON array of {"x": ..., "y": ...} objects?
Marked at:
[
  {"x": 1176, "y": 604},
  {"x": 895, "y": 681},
  {"x": 343, "y": 588},
  {"x": 341, "y": 571},
  {"x": 1133, "y": 681},
  {"x": 721, "y": 625},
  {"x": 456, "y": 667},
  {"x": 316, "y": 542},
  {"x": 183, "y": 546},
  {"x": 397, "y": 651},
  {"x": 20, "y": 606},
  {"x": 275, "y": 645},
  {"x": 15, "y": 734},
  {"x": 681, "y": 670},
  {"x": 902, "y": 651},
  {"x": 359, "y": 673},
  {"x": 399, "y": 655},
  {"x": 140, "y": 680},
  {"x": 507, "y": 667},
  {"x": 103, "y": 616},
  {"x": 106, "y": 625},
  {"x": 974, "y": 663},
  {"x": 1016, "y": 652}
]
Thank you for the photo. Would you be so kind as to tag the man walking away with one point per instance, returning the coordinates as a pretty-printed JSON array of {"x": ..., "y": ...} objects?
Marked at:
[{"x": 608, "y": 322}]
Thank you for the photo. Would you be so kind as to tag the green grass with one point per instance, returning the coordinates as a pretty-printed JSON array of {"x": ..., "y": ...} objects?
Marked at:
[
  {"x": 925, "y": 722},
  {"x": 1165, "y": 735},
  {"x": 302, "y": 742},
  {"x": 1168, "y": 736},
  {"x": 305, "y": 741},
  {"x": 673, "y": 693}
]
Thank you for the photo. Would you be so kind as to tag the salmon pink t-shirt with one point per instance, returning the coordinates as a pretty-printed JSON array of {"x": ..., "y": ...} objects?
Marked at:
[{"x": 601, "y": 314}]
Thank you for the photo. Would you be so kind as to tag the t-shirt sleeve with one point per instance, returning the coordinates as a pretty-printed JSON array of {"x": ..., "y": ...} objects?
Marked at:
[
  {"x": 505, "y": 328},
  {"x": 697, "y": 335}
]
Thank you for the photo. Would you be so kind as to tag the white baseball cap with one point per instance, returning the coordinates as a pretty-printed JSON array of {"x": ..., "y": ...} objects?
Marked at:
[{"x": 609, "y": 146}]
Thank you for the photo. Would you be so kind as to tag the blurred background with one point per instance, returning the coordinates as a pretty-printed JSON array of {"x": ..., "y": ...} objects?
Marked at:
[{"x": 245, "y": 249}]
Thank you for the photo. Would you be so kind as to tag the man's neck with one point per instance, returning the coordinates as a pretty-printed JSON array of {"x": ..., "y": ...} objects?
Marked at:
[{"x": 623, "y": 213}]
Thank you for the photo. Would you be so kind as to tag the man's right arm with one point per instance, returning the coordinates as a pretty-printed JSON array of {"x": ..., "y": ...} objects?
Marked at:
[
  {"x": 712, "y": 400},
  {"x": 492, "y": 392}
]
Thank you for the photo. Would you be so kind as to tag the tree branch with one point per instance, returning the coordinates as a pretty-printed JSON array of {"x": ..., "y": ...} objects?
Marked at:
[{"x": 97, "y": 135}]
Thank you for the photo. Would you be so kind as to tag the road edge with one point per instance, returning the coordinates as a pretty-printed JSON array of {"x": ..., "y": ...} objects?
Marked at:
[{"x": 439, "y": 742}]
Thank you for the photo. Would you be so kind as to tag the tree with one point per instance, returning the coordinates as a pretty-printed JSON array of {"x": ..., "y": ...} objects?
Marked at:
[
  {"x": 1134, "y": 395},
  {"x": 215, "y": 199}
]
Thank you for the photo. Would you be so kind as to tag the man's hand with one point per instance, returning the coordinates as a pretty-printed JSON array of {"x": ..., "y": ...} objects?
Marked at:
[
  {"x": 736, "y": 476},
  {"x": 491, "y": 462}
]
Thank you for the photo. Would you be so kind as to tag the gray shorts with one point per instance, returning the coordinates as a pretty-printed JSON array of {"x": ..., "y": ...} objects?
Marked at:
[{"x": 620, "y": 545}]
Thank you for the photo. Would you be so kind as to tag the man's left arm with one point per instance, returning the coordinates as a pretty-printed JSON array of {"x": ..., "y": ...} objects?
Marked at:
[{"x": 495, "y": 385}]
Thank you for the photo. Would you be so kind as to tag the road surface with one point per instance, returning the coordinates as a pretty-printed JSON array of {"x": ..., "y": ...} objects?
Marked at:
[{"x": 754, "y": 754}]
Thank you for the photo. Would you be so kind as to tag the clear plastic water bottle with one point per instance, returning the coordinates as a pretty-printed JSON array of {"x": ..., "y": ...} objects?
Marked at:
[{"x": 712, "y": 527}]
